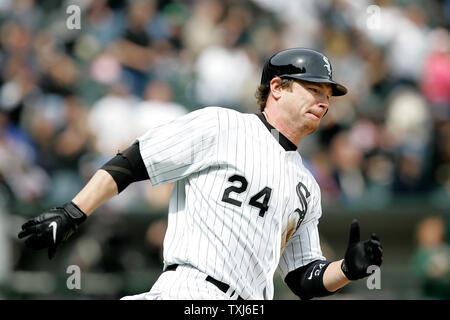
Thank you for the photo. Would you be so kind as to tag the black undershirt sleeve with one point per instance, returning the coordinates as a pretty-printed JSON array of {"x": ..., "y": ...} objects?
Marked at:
[{"x": 127, "y": 167}]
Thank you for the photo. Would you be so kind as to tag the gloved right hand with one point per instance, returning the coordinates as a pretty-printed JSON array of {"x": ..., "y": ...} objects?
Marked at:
[{"x": 52, "y": 227}]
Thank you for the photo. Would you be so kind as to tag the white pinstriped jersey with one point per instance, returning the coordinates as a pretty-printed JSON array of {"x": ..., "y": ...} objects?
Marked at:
[{"x": 242, "y": 205}]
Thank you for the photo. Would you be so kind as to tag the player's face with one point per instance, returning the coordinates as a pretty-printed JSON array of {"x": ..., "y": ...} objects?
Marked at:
[{"x": 306, "y": 104}]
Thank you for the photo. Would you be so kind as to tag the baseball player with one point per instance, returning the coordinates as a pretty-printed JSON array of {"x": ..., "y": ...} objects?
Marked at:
[{"x": 243, "y": 204}]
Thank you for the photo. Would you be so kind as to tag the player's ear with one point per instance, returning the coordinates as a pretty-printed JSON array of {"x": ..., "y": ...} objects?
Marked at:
[{"x": 275, "y": 88}]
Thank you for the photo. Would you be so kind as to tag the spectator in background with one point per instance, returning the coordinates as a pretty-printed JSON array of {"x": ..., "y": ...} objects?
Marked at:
[
  {"x": 347, "y": 159},
  {"x": 431, "y": 261},
  {"x": 17, "y": 43},
  {"x": 441, "y": 172},
  {"x": 157, "y": 108},
  {"x": 221, "y": 83},
  {"x": 377, "y": 166},
  {"x": 154, "y": 240},
  {"x": 201, "y": 30},
  {"x": 21, "y": 179},
  {"x": 103, "y": 24},
  {"x": 110, "y": 120},
  {"x": 134, "y": 50},
  {"x": 294, "y": 16},
  {"x": 435, "y": 81},
  {"x": 410, "y": 43},
  {"x": 409, "y": 124},
  {"x": 402, "y": 33},
  {"x": 323, "y": 170}
]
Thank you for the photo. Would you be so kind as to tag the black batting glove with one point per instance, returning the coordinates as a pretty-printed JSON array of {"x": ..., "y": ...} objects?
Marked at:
[
  {"x": 52, "y": 227},
  {"x": 360, "y": 255}
]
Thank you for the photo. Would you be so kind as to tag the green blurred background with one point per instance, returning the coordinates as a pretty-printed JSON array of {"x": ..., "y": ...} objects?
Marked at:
[{"x": 75, "y": 89}]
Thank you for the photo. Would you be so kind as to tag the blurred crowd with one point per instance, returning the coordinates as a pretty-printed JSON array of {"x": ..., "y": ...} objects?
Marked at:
[
  {"x": 431, "y": 260},
  {"x": 74, "y": 92}
]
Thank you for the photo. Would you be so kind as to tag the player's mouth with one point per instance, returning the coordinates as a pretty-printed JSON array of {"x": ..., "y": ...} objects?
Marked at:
[{"x": 314, "y": 115}]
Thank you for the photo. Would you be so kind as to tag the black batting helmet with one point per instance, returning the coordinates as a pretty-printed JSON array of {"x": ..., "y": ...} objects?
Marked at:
[{"x": 302, "y": 64}]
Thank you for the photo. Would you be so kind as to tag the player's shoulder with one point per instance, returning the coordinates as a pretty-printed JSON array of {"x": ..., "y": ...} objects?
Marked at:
[
  {"x": 211, "y": 111},
  {"x": 221, "y": 110},
  {"x": 203, "y": 116},
  {"x": 228, "y": 116}
]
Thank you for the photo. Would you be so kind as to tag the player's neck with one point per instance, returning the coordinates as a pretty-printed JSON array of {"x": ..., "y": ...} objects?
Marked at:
[{"x": 278, "y": 123}]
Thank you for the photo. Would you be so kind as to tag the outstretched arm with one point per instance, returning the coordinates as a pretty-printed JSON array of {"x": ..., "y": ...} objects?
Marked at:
[
  {"x": 97, "y": 191},
  {"x": 321, "y": 278},
  {"x": 55, "y": 226},
  {"x": 111, "y": 179}
]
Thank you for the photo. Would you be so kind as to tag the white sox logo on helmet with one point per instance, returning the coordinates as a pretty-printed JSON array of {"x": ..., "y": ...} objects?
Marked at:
[{"x": 327, "y": 65}]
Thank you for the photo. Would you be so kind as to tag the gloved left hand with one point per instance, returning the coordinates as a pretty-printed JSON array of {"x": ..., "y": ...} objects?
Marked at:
[{"x": 360, "y": 255}]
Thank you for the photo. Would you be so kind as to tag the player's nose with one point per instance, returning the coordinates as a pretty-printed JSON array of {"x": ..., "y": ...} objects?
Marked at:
[{"x": 323, "y": 108}]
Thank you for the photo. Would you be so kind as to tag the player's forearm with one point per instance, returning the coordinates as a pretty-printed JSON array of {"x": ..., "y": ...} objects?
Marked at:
[
  {"x": 333, "y": 277},
  {"x": 99, "y": 189}
]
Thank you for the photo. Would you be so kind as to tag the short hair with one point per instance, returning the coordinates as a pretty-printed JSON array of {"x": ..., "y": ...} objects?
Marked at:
[{"x": 262, "y": 92}]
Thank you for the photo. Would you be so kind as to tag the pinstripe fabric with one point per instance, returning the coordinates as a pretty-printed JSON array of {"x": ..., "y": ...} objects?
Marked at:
[
  {"x": 185, "y": 283},
  {"x": 303, "y": 246},
  {"x": 240, "y": 245}
]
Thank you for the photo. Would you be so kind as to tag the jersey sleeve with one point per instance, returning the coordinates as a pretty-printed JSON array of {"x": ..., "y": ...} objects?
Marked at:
[
  {"x": 304, "y": 245},
  {"x": 181, "y": 147}
]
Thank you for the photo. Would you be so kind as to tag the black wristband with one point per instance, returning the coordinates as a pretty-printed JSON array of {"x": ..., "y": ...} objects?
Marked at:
[{"x": 75, "y": 213}]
